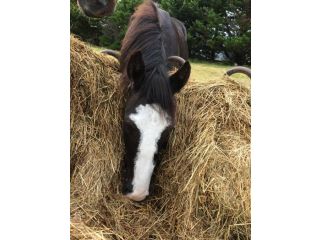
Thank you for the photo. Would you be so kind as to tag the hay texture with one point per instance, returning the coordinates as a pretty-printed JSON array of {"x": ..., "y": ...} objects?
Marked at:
[{"x": 202, "y": 188}]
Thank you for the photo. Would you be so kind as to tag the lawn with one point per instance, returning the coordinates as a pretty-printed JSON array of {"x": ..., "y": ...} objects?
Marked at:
[{"x": 207, "y": 71}]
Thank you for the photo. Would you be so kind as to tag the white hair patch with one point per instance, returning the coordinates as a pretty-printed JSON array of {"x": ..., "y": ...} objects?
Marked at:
[{"x": 151, "y": 122}]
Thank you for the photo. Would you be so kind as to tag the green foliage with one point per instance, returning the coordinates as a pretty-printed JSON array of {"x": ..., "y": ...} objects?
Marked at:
[
  {"x": 238, "y": 48},
  {"x": 89, "y": 29},
  {"x": 213, "y": 26},
  {"x": 115, "y": 26}
]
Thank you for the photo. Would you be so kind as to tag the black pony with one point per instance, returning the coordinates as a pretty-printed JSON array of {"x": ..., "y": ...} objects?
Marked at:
[{"x": 153, "y": 38}]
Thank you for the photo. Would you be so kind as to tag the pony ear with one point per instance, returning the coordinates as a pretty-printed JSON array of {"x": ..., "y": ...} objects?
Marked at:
[
  {"x": 180, "y": 78},
  {"x": 135, "y": 69}
]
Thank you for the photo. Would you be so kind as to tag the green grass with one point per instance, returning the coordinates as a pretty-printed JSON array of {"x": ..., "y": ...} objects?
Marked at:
[{"x": 206, "y": 71}]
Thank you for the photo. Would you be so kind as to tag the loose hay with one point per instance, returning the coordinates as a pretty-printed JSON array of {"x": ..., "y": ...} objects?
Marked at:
[{"x": 202, "y": 187}]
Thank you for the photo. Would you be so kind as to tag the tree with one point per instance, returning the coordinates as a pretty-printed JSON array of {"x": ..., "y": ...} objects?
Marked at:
[
  {"x": 215, "y": 26},
  {"x": 115, "y": 26},
  {"x": 89, "y": 29}
]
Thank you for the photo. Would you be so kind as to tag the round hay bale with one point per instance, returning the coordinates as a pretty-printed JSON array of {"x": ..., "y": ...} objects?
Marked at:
[{"x": 202, "y": 188}]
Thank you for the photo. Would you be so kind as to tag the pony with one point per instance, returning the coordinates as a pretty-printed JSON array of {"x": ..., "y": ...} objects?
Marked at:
[
  {"x": 152, "y": 40},
  {"x": 97, "y": 8}
]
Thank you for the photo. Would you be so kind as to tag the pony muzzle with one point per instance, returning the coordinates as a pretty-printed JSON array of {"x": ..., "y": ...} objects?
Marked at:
[{"x": 138, "y": 195}]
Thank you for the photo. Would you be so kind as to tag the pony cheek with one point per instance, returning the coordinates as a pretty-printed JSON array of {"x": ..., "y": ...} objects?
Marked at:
[{"x": 127, "y": 187}]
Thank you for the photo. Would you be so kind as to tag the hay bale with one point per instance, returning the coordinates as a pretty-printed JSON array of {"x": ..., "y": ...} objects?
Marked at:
[{"x": 203, "y": 184}]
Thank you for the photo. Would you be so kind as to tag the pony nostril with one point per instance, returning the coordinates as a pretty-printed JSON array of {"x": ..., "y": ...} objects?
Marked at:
[{"x": 127, "y": 188}]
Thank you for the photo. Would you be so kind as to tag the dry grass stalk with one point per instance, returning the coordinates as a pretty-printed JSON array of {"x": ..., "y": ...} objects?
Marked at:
[{"x": 202, "y": 189}]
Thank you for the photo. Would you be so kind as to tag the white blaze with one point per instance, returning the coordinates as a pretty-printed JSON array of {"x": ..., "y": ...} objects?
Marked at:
[{"x": 151, "y": 123}]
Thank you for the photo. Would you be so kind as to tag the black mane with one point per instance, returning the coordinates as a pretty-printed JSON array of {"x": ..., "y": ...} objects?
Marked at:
[{"x": 144, "y": 34}]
